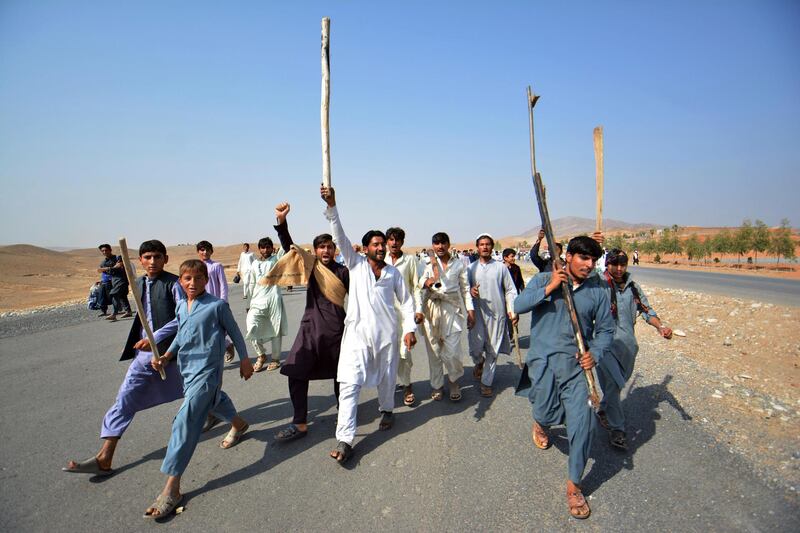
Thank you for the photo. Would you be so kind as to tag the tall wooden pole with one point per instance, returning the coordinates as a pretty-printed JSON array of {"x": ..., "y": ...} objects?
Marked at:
[
  {"x": 325, "y": 104},
  {"x": 598, "y": 168}
]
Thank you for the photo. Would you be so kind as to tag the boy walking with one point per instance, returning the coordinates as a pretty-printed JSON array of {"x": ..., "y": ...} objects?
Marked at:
[{"x": 203, "y": 322}]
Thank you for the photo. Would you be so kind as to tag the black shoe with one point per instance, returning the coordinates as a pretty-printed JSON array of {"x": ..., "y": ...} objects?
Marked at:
[{"x": 617, "y": 439}]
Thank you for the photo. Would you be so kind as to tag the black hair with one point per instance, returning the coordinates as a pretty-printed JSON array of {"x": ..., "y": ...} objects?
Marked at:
[
  {"x": 397, "y": 233},
  {"x": 152, "y": 246},
  {"x": 616, "y": 256},
  {"x": 321, "y": 239},
  {"x": 507, "y": 252},
  {"x": 246, "y": 244},
  {"x": 264, "y": 242},
  {"x": 104, "y": 246},
  {"x": 370, "y": 234},
  {"x": 440, "y": 238},
  {"x": 479, "y": 239},
  {"x": 205, "y": 245},
  {"x": 583, "y": 245}
]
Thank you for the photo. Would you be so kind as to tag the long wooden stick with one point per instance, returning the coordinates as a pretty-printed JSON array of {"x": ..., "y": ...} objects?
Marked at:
[
  {"x": 516, "y": 347},
  {"x": 598, "y": 169},
  {"x": 137, "y": 299},
  {"x": 566, "y": 287},
  {"x": 326, "y": 101}
]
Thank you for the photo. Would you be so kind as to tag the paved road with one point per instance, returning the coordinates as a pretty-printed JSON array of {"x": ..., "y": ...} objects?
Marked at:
[
  {"x": 774, "y": 290},
  {"x": 444, "y": 467}
]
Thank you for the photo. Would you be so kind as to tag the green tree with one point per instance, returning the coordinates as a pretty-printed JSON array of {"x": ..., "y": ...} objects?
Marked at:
[
  {"x": 669, "y": 243},
  {"x": 722, "y": 243},
  {"x": 760, "y": 238},
  {"x": 693, "y": 247},
  {"x": 781, "y": 243},
  {"x": 742, "y": 239}
]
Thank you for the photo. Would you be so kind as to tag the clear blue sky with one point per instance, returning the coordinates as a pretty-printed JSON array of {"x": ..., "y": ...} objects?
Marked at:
[{"x": 191, "y": 120}]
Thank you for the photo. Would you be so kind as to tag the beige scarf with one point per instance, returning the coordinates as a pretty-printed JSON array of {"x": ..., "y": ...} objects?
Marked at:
[{"x": 296, "y": 267}]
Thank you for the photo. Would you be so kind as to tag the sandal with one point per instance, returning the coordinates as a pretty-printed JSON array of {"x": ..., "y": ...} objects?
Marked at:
[
  {"x": 164, "y": 506},
  {"x": 229, "y": 354},
  {"x": 578, "y": 507},
  {"x": 292, "y": 432},
  {"x": 386, "y": 421},
  {"x": 437, "y": 395},
  {"x": 233, "y": 437},
  {"x": 540, "y": 437},
  {"x": 617, "y": 439},
  {"x": 408, "y": 396},
  {"x": 273, "y": 365},
  {"x": 455, "y": 392},
  {"x": 477, "y": 370},
  {"x": 89, "y": 466},
  {"x": 342, "y": 452},
  {"x": 259, "y": 365},
  {"x": 486, "y": 392}
]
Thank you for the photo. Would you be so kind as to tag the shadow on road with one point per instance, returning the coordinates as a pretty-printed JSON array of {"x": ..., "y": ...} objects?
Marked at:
[
  {"x": 641, "y": 412},
  {"x": 406, "y": 419}
]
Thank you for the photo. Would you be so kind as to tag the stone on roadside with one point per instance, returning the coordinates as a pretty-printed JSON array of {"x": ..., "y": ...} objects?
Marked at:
[
  {"x": 727, "y": 342},
  {"x": 679, "y": 332}
]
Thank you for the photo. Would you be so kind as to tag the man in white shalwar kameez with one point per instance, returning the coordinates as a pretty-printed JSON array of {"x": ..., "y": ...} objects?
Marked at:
[
  {"x": 493, "y": 294},
  {"x": 266, "y": 317},
  {"x": 246, "y": 259},
  {"x": 370, "y": 344},
  {"x": 447, "y": 312},
  {"x": 407, "y": 265}
]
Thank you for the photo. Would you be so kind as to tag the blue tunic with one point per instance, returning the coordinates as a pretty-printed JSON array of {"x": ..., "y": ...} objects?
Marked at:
[
  {"x": 560, "y": 393},
  {"x": 617, "y": 366},
  {"x": 200, "y": 346}
]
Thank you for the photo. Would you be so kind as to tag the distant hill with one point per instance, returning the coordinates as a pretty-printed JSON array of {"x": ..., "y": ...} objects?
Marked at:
[{"x": 570, "y": 226}]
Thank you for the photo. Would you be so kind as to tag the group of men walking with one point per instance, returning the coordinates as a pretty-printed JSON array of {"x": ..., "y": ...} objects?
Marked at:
[{"x": 453, "y": 307}]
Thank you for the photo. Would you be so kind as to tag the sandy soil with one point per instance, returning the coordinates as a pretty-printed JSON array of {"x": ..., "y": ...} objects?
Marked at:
[{"x": 32, "y": 277}]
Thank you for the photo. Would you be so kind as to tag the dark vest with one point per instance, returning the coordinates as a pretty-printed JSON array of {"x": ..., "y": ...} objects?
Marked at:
[{"x": 162, "y": 309}]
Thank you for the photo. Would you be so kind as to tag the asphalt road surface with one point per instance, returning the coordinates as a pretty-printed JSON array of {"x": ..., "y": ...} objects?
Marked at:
[
  {"x": 774, "y": 290},
  {"x": 443, "y": 467}
]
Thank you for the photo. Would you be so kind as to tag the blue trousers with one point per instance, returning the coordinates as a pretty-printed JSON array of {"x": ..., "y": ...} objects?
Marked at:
[
  {"x": 187, "y": 426},
  {"x": 611, "y": 400},
  {"x": 561, "y": 396}
]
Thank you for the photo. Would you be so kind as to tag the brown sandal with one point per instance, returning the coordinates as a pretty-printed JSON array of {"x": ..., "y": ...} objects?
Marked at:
[
  {"x": 477, "y": 370},
  {"x": 540, "y": 437},
  {"x": 437, "y": 395},
  {"x": 578, "y": 507},
  {"x": 408, "y": 396},
  {"x": 259, "y": 366},
  {"x": 273, "y": 365}
]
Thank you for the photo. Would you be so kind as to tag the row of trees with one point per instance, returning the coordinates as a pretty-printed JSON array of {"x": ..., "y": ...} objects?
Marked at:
[{"x": 755, "y": 238}]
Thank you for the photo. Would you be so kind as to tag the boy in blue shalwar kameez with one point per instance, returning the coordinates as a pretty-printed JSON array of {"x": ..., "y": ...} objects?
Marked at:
[
  {"x": 203, "y": 322},
  {"x": 561, "y": 393},
  {"x": 627, "y": 302}
]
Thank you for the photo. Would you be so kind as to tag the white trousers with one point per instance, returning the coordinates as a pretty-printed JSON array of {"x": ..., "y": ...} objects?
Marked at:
[
  {"x": 348, "y": 406},
  {"x": 444, "y": 357}
]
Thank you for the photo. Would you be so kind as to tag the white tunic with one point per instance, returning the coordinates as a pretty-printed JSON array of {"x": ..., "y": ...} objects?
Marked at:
[
  {"x": 407, "y": 265},
  {"x": 370, "y": 347},
  {"x": 445, "y": 306}
]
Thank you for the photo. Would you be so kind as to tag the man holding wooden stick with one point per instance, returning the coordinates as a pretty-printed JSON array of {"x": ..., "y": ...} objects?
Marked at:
[
  {"x": 555, "y": 365},
  {"x": 142, "y": 387},
  {"x": 370, "y": 347}
]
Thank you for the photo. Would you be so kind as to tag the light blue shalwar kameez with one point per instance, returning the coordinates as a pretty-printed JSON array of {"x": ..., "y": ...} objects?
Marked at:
[
  {"x": 200, "y": 348},
  {"x": 616, "y": 369},
  {"x": 561, "y": 394}
]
